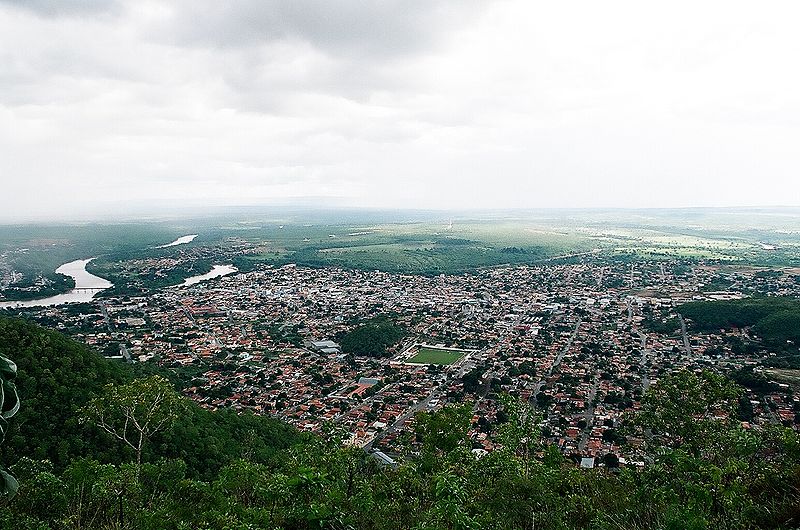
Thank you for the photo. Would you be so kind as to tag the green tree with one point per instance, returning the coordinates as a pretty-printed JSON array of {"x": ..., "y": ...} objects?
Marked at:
[
  {"x": 135, "y": 411},
  {"x": 372, "y": 338},
  {"x": 442, "y": 432},
  {"x": 41, "y": 494},
  {"x": 706, "y": 467},
  {"x": 520, "y": 434},
  {"x": 9, "y": 405},
  {"x": 56, "y": 376},
  {"x": 690, "y": 411}
]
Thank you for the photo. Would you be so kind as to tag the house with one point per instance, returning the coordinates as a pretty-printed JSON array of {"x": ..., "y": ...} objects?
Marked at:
[{"x": 326, "y": 346}]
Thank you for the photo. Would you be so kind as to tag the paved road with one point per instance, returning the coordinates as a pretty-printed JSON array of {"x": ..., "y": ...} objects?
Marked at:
[
  {"x": 773, "y": 418},
  {"x": 123, "y": 350},
  {"x": 545, "y": 260},
  {"x": 588, "y": 415},
  {"x": 453, "y": 372},
  {"x": 566, "y": 348},
  {"x": 643, "y": 362},
  {"x": 421, "y": 405},
  {"x": 686, "y": 345},
  {"x": 464, "y": 365},
  {"x": 106, "y": 317},
  {"x": 558, "y": 359}
]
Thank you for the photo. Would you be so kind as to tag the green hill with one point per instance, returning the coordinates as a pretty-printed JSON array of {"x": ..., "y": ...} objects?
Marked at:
[
  {"x": 372, "y": 338},
  {"x": 57, "y": 376},
  {"x": 222, "y": 470},
  {"x": 774, "y": 319}
]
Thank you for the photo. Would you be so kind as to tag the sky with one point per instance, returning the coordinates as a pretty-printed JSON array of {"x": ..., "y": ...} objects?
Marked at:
[{"x": 112, "y": 106}]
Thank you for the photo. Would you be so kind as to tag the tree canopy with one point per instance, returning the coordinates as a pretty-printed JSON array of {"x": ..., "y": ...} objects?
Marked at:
[{"x": 372, "y": 338}]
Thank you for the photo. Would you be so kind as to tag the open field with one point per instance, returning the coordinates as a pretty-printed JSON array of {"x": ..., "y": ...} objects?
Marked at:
[
  {"x": 412, "y": 242},
  {"x": 426, "y": 355},
  {"x": 784, "y": 375}
]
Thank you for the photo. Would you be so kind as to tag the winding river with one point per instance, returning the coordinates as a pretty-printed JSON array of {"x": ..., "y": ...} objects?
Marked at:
[
  {"x": 215, "y": 272},
  {"x": 86, "y": 286},
  {"x": 180, "y": 241}
]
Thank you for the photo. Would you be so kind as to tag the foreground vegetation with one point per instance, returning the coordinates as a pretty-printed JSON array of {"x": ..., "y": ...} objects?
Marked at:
[
  {"x": 58, "y": 377},
  {"x": 224, "y": 470}
]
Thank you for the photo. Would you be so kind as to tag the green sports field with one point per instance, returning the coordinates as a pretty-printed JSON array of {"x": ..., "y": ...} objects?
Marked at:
[{"x": 436, "y": 356}]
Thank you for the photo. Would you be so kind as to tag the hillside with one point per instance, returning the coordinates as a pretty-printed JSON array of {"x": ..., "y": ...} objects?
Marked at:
[
  {"x": 223, "y": 470},
  {"x": 775, "y": 321},
  {"x": 57, "y": 376}
]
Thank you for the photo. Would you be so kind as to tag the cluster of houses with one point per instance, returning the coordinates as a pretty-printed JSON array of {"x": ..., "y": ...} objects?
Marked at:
[{"x": 571, "y": 340}]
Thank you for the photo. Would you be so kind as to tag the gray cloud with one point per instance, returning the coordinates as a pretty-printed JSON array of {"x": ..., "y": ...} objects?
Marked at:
[
  {"x": 386, "y": 28},
  {"x": 419, "y": 104},
  {"x": 274, "y": 50},
  {"x": 59, "y": 8}
]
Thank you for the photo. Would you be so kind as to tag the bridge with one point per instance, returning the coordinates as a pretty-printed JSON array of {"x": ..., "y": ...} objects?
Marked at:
[{"x": 88, "y": 289}]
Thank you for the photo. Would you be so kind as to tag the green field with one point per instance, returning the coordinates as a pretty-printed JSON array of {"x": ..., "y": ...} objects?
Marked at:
[
  {"x": 436, "y": 356},
  {"x": 409, "y": 242}
]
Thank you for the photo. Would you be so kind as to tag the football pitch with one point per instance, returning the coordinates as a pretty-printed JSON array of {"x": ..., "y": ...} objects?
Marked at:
[{"x": 427, "y": 355}]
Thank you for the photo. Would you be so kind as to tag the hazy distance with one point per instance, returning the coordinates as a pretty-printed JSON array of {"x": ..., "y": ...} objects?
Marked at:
[{"x": 118, "y": 107}]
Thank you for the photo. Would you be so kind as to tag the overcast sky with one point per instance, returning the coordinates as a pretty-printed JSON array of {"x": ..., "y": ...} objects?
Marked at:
[{"x": 417, "y": 103}]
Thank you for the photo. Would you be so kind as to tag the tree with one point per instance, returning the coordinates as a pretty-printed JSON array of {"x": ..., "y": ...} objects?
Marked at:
[
  {"x": 520, "y": 434},
  {"x": 442, "y": 432},
  {"x": 610, "y": 460},
  {"x": 9, "y": 405},
  {"x": 56, "y": 376},
  {"x": 690, "y": 411},
  {"x": 706, "y": 461},
  {"x": 372, "y": 338},
  {"x": 133, "y": 412}
]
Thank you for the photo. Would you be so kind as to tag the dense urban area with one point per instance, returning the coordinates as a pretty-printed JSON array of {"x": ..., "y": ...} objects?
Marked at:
[{"x": 580, "y": 339}]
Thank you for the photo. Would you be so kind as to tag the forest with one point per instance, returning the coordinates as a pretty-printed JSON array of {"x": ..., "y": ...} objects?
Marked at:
[
  {"x": 755, "y": 311},
  {"x": 773, "y": 320},
  {"x": 372, "y": 338},
  {"x": 79, "y": 468}
]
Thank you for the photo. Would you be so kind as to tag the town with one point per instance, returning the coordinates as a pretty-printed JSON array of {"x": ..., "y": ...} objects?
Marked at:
[{"x": 578, "y": 339}]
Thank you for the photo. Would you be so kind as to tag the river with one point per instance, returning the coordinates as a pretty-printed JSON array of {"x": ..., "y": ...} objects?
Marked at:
[
  {"x": 180, "y": 241},
  {"x": 86, "y": 286},
  {"x": 216, "y": 272}
]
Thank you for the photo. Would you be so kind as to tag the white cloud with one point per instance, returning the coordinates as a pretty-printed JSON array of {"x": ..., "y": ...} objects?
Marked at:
[{"x": 429, "y": 104}]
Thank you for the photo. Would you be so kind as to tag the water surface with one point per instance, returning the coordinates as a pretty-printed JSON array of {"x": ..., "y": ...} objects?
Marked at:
[
  {"x": 216, "y": 272},
  {"x": 180, "y": 241}
]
